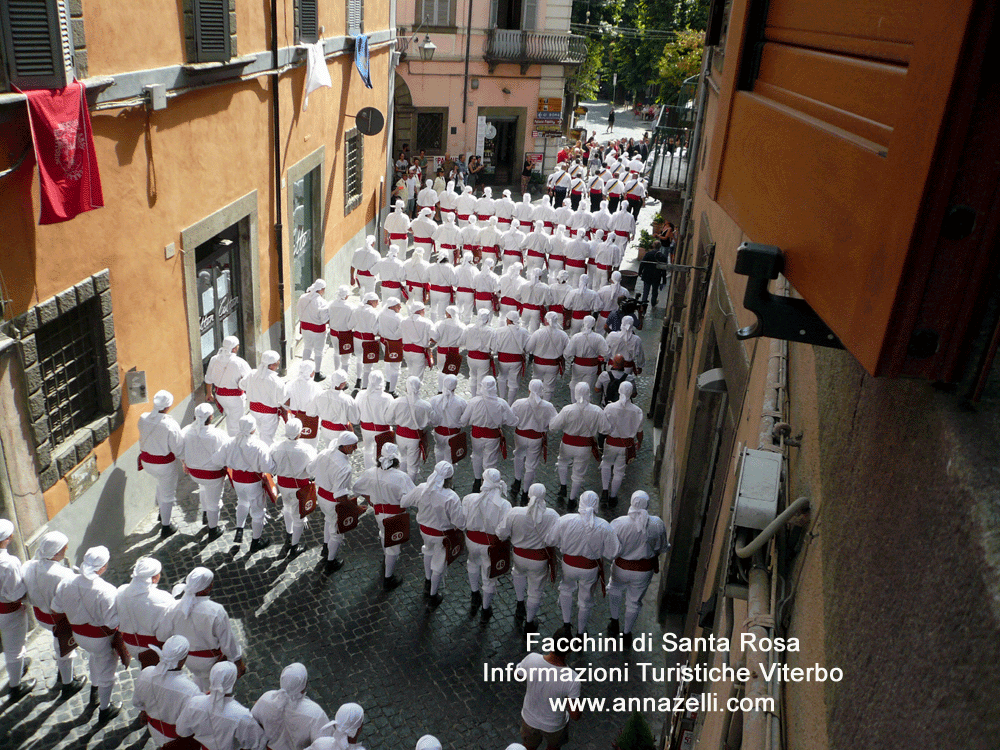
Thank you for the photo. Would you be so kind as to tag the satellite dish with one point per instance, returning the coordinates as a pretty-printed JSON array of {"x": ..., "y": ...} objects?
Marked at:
[
  {"x": 370, "y": 121},
  {"x": 491, "y": 132}
]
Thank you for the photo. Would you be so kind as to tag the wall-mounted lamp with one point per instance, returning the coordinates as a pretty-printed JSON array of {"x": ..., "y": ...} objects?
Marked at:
[
  {"x": 427, "y": 48},
  {"x": 474, "y": 83}
]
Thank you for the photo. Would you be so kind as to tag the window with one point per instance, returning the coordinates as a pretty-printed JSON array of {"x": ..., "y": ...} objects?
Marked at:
[
  {"x": 435, "y": 13},
  {"x": 214, "y": 31},
  {"x": 37, "y": 43},
  {"x": 354, "y": 169},
  {"x": 431, "y": 132},
  {"x": 515, "y": 15},
  {"x": 718, "y": 30},
  {"x": 306, "y": 21},
  {"x": 355, "y": 17}
]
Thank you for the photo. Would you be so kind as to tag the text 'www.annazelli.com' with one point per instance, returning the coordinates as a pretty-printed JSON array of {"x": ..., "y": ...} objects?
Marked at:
[{"x": 702, "y": 702}]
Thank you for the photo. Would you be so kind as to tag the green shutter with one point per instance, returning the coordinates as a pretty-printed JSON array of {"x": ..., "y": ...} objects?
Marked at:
[
  {"x": 308, "y": 21},
  {"x": 211, "y": 30},
  {"x": 33, "y": 44}
]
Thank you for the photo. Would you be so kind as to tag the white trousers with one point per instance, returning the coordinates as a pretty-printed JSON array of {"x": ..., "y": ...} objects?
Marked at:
[
  {"x": 103, "y": 659},
  {"x": 391, "y": 370},
  {"x": 250, "y": 501},
  {"x": 501, "y": 319},
  {"x": 575, "y": 324},
  {"x": 486, "y": 454},
  {"x": 581, "y": 374},
  {"x": 632, "y": 584},
  {"x": 166, "y": 476},
  {"x": 313, "y": 346},
  {"x": 409, "y": 455},
  {"x": 529, "y": 578},
  {"x": 531, "y": 319},
  {"x": 612, "y": 468},
  {"x": 439, "y": 301},
  {"x": 234, "y": 407},
  {"x": 416, "y": 363},
  {"x": 210, "y": 498},
  {"x": 478, "y": 369},
  {"x": 201, "y": 668},
  {"x": 13, "y": 629},
  {"x": 584, "y": 581},
  {"x": 435, "y": 557},
  {"x": 574, "y": 276},
  {"x": 368, "y": 438},
  {"x": 391, "y": 553},
  {"x": 527, "y": 457},
  {"x": 548, "y": 374},
  {"x": 508, "y": 380},
  {"x": 554, "y": 266},
  {"x": 290, "y": 512},
  {"x": 478, "y": 567},
  {"x": 466, "y": 303},
  {"x": 331, "y": 537},
  {"x": 64, "y": 663},
  {"x": 362, "y": 370},
  {"x": 577, "y": 458},
  {"x": 365, "y": 283},
  {"x": 267, "y": 426}
]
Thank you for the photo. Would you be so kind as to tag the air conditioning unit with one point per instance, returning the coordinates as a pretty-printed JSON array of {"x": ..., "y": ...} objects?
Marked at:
[{"x": 759, "y": 485}]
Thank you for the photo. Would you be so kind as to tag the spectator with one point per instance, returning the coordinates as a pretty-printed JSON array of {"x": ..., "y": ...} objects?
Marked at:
[
  {"x": 652, "y": 277},
  {"x": 463, "y": 174},
  {"x": 525, "y": 175},
  {"x": 548, "y": 679},
  {"x": 476, "y": 167}
]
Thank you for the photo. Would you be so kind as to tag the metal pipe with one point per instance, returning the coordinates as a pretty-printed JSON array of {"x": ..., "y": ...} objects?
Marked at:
[
  {"x": 465, "y": 88},
  {"x": 278, "y": 228},
  {"x": 755, "y": 721},
  {"x": 772, "y": 528}
]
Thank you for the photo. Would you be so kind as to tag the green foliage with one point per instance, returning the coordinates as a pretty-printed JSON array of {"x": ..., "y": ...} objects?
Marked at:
[
  {"x": 645, "y": 239},
  {"x": 583, "y": 82},
  {"x": 636, "y": 735},
  {"x": 680, "y": 60}
]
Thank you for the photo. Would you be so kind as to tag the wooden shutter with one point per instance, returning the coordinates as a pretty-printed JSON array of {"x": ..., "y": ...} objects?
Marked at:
[
  {"x": 355, "y": 17},
  {"x": 37, "y": 57},
  {"x": 493, "y": 13},
  {"x": 211, "y": 30},
  {"x": 308, "y": 21}
]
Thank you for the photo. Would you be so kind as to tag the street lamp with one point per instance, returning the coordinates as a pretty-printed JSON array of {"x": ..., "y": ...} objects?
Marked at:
[{"x": 426, "y": 47}]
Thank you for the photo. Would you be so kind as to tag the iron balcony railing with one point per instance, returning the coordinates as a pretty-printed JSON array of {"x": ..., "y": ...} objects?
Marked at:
[{"x": 531, "y": 48}]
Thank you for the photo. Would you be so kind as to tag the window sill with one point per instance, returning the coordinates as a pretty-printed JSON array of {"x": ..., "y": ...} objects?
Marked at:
[
  {"x": 194, "y": 69},
  {"x": 93, "y": 85}
]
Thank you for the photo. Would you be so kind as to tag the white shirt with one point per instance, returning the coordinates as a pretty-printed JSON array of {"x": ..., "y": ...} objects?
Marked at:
[
  {"x": 629, "y": 347},
  {"x": 423, "y": 227},
  {"x": 511, "y": 286},
  {"x": 364, "y": 319},
  {"x": 383, "y": 486},
  {"x": 573, "y": 536},
  {"x": 448, "y": 413},
  {"x": 490, "y": 236},
  {"x": 388, "y": 324},
  {"x": 245, "y": 455},
  {"x": 390, "y": 269},
  {"x": 466, "y": 204},
  {"x": 265, "y": 387},
  {"x": 523, "y": 531},
  {"x": 532, "y": 416},
  {"x": 543, "y": 689},
  {"x": 41, "y": 579},
  {"x": 333, "y": 473},
  {"x": 416, "y": 414},
  {"x": 288, "y": 727},
  {"x": 340, "y": 315},
  {"x": 484, "y": 206},
  {"x": 364, "y": 259},
  {"x": 226, "y": 370},
  {"x": 511, "y": 339},
  {"x": 584, "y": 420},
  {"x": 437, "y": 509},
  {"x": 12, "y": 586},
  {"x": 206, "y": 628},
  {"x": 301, "y": 393},
  {"x": 547, "y": 342},
  {"x": 447, "y": 234},
  {"x": 636, "y": 545},
  {"x": 624, "y": 420},
  {"x": 465, "y": 276},
  {"x": 396, "y": 223},
  {"x": 374, "y": 406},
  {"x": 159, "y": 434},
  {"x": 427, "y": 198},
  {"x": 503, "y": 208},
  {"x": 199, "y": 445},
  {"x": 449, "y": 332},
  {"x": 587, "y": 344},
  {"x": 336, "y": 406},
  {"x": 87, "y": 601},
  {"x": 416, "y": 329},
  {"x": 479, "y": 338},
  {"x": 524, "y": 212},
  {"x": 487, "y": 282},
  {"x": 140, "y": 610},
  {"x": 441, "y": 274},
  {"x": 491, "y": 412},
  {"x": 230, "y": 728},
  {"x": 163, "y": 698},
  {"x": 292, "y": 459},
  {"x": 312, "y": 308},
  {"x": 482, "y": 514}
]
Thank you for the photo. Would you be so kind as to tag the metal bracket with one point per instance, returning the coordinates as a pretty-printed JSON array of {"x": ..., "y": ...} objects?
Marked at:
[{"x": 787, "y": 318}]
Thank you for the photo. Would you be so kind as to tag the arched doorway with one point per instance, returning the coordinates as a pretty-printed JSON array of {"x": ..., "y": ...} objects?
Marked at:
[{"x": 403, "y": 116}]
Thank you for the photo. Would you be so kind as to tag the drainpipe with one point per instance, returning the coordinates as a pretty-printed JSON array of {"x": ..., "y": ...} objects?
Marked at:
[
  {"x": 278, "y": 228},
  {"x": 468, "y": 44}
]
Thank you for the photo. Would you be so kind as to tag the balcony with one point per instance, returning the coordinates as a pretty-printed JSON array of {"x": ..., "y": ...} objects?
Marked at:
[{"x": 532, "y": 48}]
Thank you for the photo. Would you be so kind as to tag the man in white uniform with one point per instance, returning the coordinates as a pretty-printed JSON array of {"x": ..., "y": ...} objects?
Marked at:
[
  {"x": 584, "y": 541},
  {"x": 441, "y": 282},
  {"x": 141, "y": 606},
  {"x": 511, "y": 286},
  {"x": 534, "y": 415},
  {"x": 586, "y": 349},
  {"x": 334, "y": 480},
  {"x": 524, "y": 212},
  {"x": 465, "y": 286},
  {"x": 290, "y": 720},
  {"x": 217, "y": 720},
  {"x": 503, "y": 209},
  {"x": 490, "y": 239},
  {"x": 159, "y": 442},
  {"x": 487, "y": 414},
  {"x": 487, "y": 286},
  {"x": 534, "y": 300},
  {"x": 391, "y": 274},
  {"x": 427, "y": 199},
  {"x": 537, "y": 245},
  {"x": 484, "y": 512},
  {"x": 200, "y": 444},
  {"x": 266, "y": 394},
  {"x": 510, "y": 342},
  {"x": 292, "y": 460},
  {"x": 302, "y": 391},
  {"x": 416, "y": 276},
  {"x": 438, "y": 510},
  {"x": 162, "y": 691},
  {"x": 363, "y": 265},
  {"x": 337, "y": 411},
  {"x": 88, "y": 603},
  {"x": 580, "y": 302},
  {"x": 448, "y": 409},
  {"x": 314, "y": 320},
  {"x": 389, "y": 332},
  {"x": 364, "y": 324},
  {"x": 423, "y": 228},
  {"x": 13, "y": 616},
  {"x": 222, "y": 382},
  {"x": 449, "y": 334},
  {"x": 448, "y": 239},
  {"x": 484, "y": 206},
  {"x": 247, "y": 458},
  {"x": 627, "y": 344},
  {"x": 580, "y": 423},
  {"x": 643, "y": 538},
  {"x": 418, "y": 337},
  {"x": 374, "y": 413},
  {"x": 625, "y": 434},
  {"x": 340, "y": 327},
  {"x": 397, "y": 226},
  {"x": 529, "y": 530},
  {"x": 42, "y": 576},
  {"x": 465, "y": 207},
  {"x": 412, "y": 417},
  {"x": 546, "y": 347},
  {"x": 478, "y": 343},
  {"x": 512, "y": 245},
  {"x": 206, "y": 626},
  {"x": 385, "y": 485}
]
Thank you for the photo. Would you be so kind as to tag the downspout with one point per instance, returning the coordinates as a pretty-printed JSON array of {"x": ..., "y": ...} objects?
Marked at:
[
  {"x": 465, "y": 89},
  {"x": 278, "y": 228}
]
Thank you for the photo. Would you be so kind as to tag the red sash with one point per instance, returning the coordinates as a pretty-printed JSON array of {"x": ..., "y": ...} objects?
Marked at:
[
  {"x": 206, "y": 475},
  {"x": 314, "y": 327}
]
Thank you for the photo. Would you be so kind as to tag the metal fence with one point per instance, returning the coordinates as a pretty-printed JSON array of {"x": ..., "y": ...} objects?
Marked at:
[
  {"x": 529, "y": 46},
  {"x": 671, "y": 154}
]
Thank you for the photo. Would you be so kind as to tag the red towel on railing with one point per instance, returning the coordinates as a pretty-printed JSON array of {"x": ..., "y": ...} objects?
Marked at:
[{"x": 64, "y": 149}]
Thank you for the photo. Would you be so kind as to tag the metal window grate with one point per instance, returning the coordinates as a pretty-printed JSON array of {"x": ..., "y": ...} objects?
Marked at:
[
  {"x": 354, "y": 169},
  {"x": 70, "y": 363},
  {"x": 430, "y": 129}
]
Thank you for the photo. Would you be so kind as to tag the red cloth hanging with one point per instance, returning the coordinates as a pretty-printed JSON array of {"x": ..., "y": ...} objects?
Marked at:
[{"x": 64, "y": 150}]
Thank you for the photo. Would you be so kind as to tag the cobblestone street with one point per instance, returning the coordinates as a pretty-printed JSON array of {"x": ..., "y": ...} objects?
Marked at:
[{"x": 413, "y": 671}]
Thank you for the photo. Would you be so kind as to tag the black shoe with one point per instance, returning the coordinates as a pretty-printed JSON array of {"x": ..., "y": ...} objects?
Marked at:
[
  {"x": 319, "y": 377},
  {"x": 238, "y": 539},
  {"x": 93, "y": 696},
  {"x": 520, "y": 612},
  {"x": 427, "y": 587},
  {"x": 613, "y": 628},
  {"x": 572, "y": 505},
  {"x": 67, "y": 689},
  {"x": 204, "y": 518},
  {"x": 258, "y": 544},
  {"x": 515, "y": 488},
  {"x": 107, "y": 714},
  {"x": 563, "y": 491},
  {"x": 357, "y": 384},
  {"x": 325, "y": 551},
  {"x": 26, "y": 686},
  {"x": 531, "y": 627},
  {"x": 566, "y": 631},
  {"x": 214, "y": 534},
  {"x": 433, "y": 602},
  {"x": 613, "y": 502},
  {"x": 390, "y": 583},
  {"x": 486, "y": 614},
  {"x": 166, "y": 531},
  {"x": 477, "y": 485},
  {"x": 524, "y": 498},
  {"x": 332, "y": 566},
  {"x": 387, "y": 388},
  {"x": 604, "y": 499},
  {"x": 475, "y": 603},
  {"x": 295, "y": 550}
]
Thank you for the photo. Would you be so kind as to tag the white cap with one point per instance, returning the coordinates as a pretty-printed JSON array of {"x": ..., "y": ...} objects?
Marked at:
[
  {"x": 163, "y": 400},
  {"x": 269, "y": 357}
]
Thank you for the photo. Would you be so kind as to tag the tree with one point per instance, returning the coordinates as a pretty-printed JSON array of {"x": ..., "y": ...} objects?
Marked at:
[
  {"x": 583, "y": 82},
  {"x": 680, "y": 60}
]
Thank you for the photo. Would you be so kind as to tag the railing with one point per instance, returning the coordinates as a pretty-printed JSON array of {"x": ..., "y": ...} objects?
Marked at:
[
  {"x": 529, "y": 47},
  {"x": 671, "y": 157}
]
